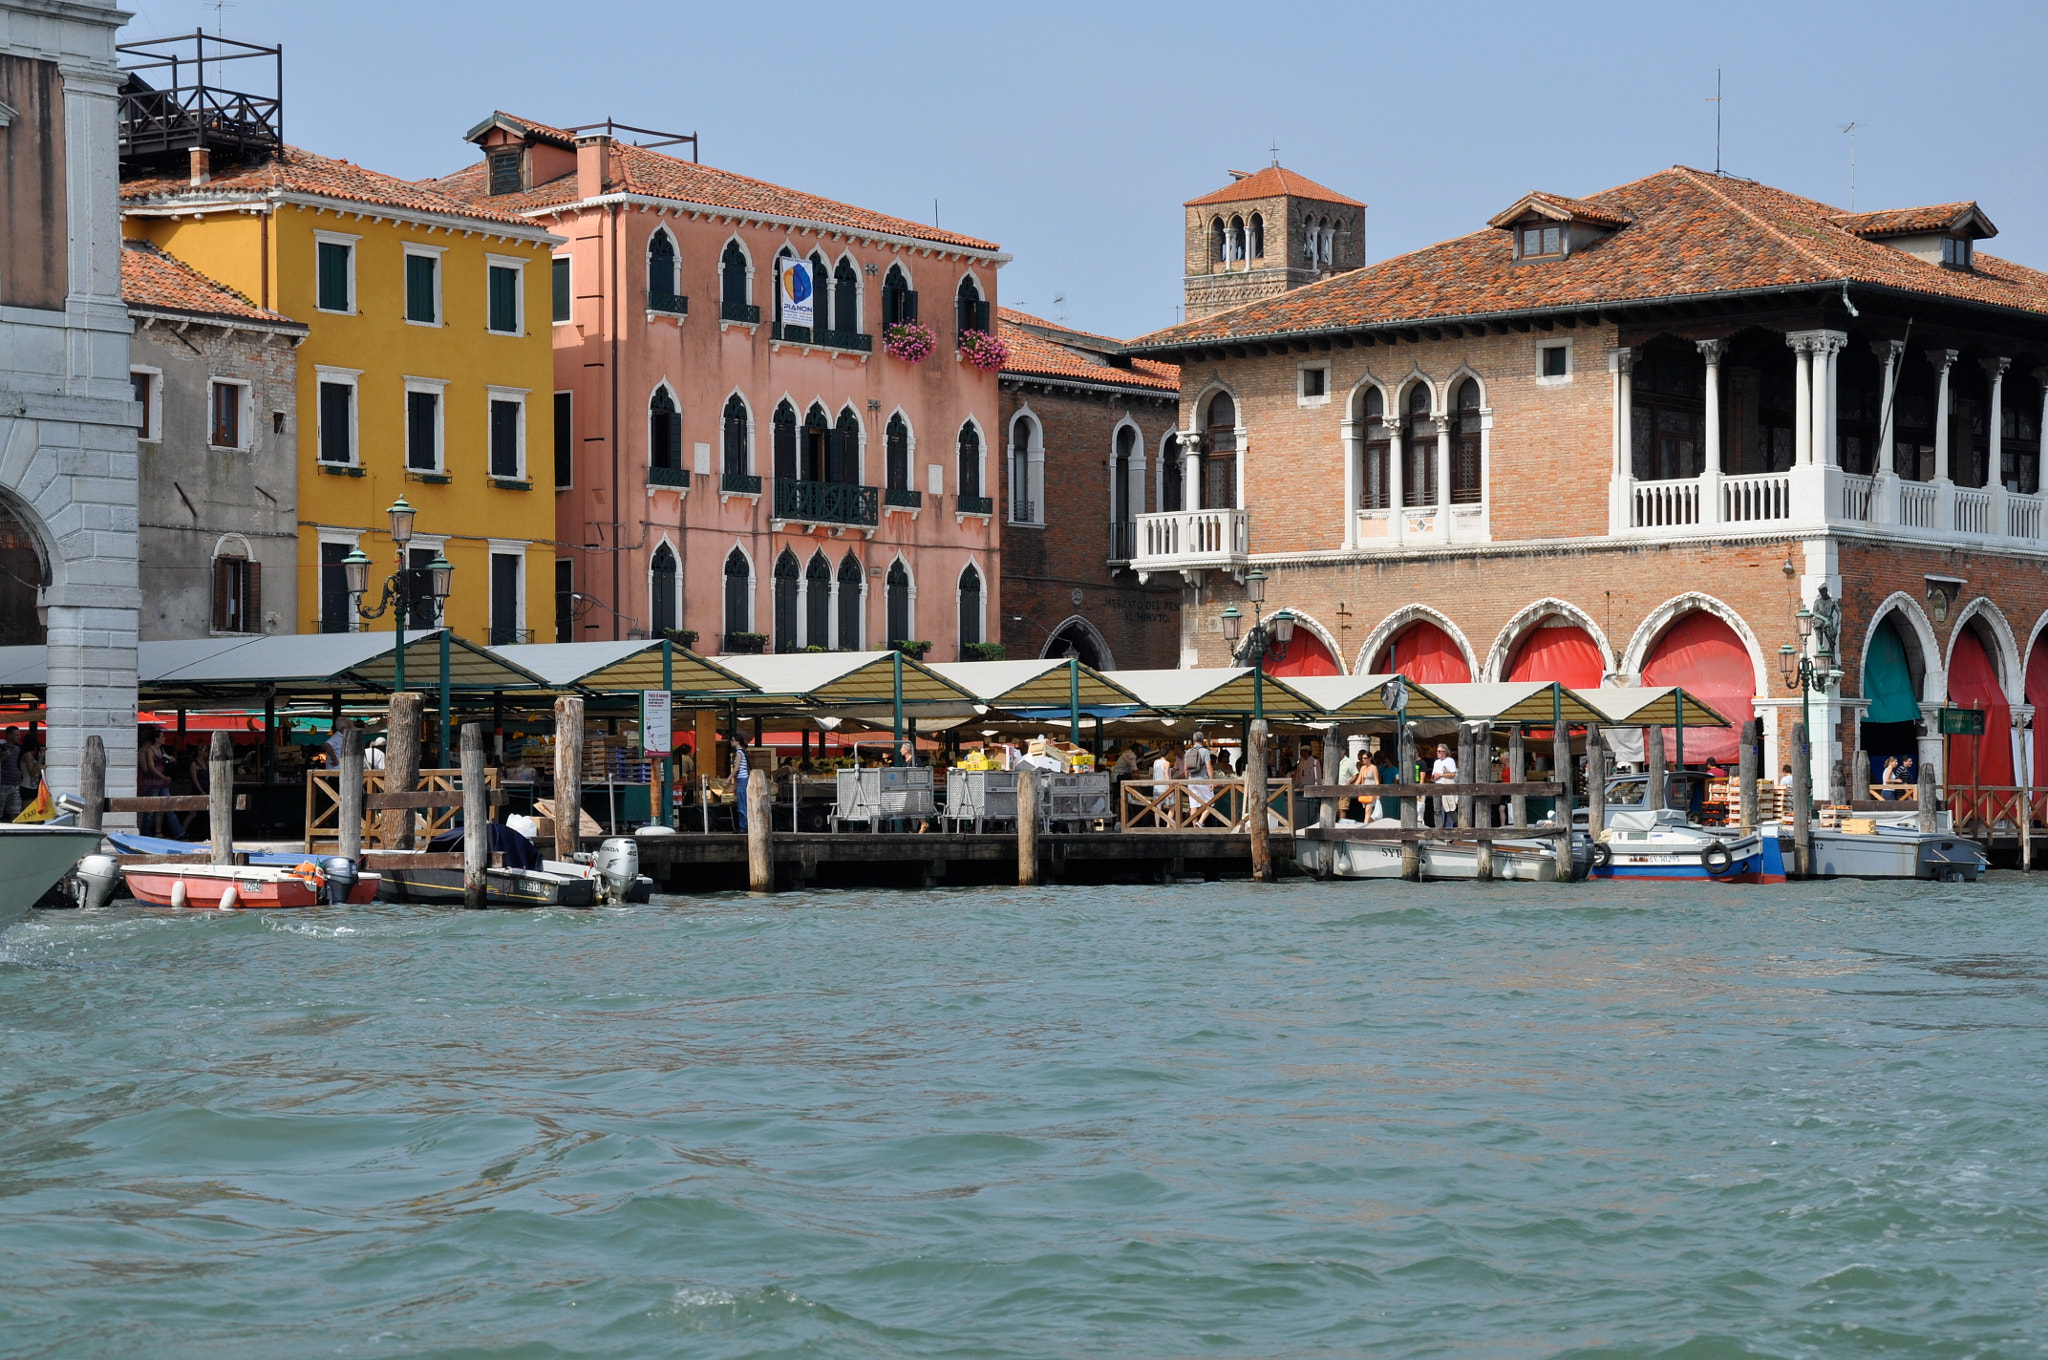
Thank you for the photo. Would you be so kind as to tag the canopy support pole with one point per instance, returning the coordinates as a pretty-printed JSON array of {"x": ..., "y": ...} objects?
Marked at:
[
  {"x": 1074, "y": 701},
  {"x": 663, "y": 811},
  {"x": 270, "y": 734},
  {"x": 897, "y": 658},
  {"x": 444, "y": 699}
]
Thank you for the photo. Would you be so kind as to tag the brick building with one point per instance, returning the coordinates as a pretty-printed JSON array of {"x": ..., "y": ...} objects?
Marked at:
[
  {"x": 1266, "y": 233},
  {"x": 1624, "y": 438},
  {"x": 1087, "y": 431},
  {"x": 215, "y": 379}
]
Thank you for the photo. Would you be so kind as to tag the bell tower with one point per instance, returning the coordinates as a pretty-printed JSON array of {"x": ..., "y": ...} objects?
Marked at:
[{"x": 1264, "y": 233}]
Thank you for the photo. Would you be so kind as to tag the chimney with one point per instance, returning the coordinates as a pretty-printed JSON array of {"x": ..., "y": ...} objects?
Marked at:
[
  {"x": 593, "y": 165},
  {"x": 202, "y": 165}
]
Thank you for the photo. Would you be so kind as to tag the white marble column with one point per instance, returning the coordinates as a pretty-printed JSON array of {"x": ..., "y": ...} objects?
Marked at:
[
  {"x": 1827, "y": 358},
  {"x": 1354, "y": 479},
  {"x": 1710, "y": 475},
  {"x": 1802, "y": 398},
  {"x": 1943, "y": 360},
  {"x": 1622, "y": 364},
  {"x": 1443, "y": 469},
  {"x": 1190, "y": 471},
  {"x": 1884, "y": 485},
  {"x": 1397, "y": 481},
  {"x": 1994, "y": 458}
]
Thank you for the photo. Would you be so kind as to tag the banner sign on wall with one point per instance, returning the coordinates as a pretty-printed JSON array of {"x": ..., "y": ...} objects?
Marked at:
[
  {"x": 793, "y": 285},
  {"x": 657, "y": 735}
]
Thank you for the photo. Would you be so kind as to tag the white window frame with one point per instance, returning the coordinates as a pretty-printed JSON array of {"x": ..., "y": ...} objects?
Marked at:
[
  {"x": 434, "y": 253},
  {"x": 518, "y": 268},
  {"x": 353, "y": 244},
  {"x": 518, "y": 396},
  {"x": 1556, "y": 379},
  {"x": 1301, "y": 397},
  {"x": 568, "y": 258},
  {"x": 245, "y": 412},
  {"x": 981, "y": 609},
  {"x": 346, "y": 540},
  {"x": 1033, "y": 488},
  {"x": 439, "y": 388},
  {"x": 340, "y": 377},
  {"x": 510, "y": 547},
  {"x": 152, "y": 428}
]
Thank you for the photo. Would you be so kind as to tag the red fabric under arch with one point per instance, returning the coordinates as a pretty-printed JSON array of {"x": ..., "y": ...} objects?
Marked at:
[
  {"x": 1566, "y": 654},
  {"x": 1306, "y": 655},
  {"x": 2037, "y": 695},
  {"x": 1973, "y": 683},
  {"x": 1425, "y": 654},
  {"x": 1704, "y": 655}
]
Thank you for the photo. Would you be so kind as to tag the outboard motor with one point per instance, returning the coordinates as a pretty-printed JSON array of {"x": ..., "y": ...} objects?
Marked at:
[
  {"x": 618, "y": 866},
  {"x": 341, "y": 876},
  {"x": 95, "y": 881},
  {"x": 68, "y": 808}
]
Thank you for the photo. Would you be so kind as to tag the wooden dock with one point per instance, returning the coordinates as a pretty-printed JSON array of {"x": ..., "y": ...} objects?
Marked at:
[{"x": 697, "y": 863}]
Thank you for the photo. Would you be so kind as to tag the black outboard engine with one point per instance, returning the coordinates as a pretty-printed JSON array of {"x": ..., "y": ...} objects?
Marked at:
[{"x": 341, "y": 877}]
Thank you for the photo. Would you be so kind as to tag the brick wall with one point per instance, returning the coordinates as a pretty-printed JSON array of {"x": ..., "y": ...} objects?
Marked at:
[{"x": 1043, "y": 567}]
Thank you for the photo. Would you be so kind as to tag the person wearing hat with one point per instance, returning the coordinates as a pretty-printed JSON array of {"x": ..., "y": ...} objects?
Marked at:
[{"x": 373, "y": 754}]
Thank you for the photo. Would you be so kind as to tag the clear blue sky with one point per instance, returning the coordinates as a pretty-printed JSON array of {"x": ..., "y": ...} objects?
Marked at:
[{"x": 1071, "y": 133}]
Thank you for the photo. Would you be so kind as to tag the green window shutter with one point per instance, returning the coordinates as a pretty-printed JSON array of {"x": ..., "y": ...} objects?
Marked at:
[
  {"x": 561, "y": 264},
  {"x": 419, "y": 288},
  {"x": 337, "y": 414},
  {"x": 421, "y": 408},
  {"x": 505, "y": 439},
  {"x": 333, "y": 276},
  {"x": 504, "y": 300}
]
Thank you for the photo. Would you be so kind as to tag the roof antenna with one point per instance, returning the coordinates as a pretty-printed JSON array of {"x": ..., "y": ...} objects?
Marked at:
[
  {"x": 1059, "y": 302},
  {"x": 1850, "y": 128},
  {"x": 1716, "y": 102}
]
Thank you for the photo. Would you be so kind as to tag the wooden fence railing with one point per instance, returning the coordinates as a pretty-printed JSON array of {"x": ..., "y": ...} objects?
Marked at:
[
  {"x": 438, "y": 798},
  {"x": 1201, "y": 805}
]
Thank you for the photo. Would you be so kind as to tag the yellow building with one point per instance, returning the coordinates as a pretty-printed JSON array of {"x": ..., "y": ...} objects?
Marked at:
[{"x": 427, "y": 372}]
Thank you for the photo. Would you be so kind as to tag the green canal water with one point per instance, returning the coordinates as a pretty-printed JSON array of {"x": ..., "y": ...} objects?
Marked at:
[{"x": 1306, "y": 1120}]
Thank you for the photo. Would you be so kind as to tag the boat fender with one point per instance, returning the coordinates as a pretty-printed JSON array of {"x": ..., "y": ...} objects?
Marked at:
[
  {"x": 178, "y": 894},
  {"x": 1716, "y": 860},
  {"x": 1602, "y": 855},
  {"x": 229, "y": 898}
]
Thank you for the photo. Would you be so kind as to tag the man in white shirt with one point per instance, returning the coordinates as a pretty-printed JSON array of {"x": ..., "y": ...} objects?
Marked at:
[
  {"x": 1347, "y": 773},
  {"x": 1445, "y": 771}
]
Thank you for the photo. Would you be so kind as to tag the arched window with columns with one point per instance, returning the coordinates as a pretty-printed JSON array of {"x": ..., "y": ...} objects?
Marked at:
[
  {"x": 1468, "y": 475},
  {"x": 852, "y": 586},
  {"x": 970, "y": 609},
  {"x": 1172, "y": 496},
  {"x": 897, "y": 441},
  {"x": 732, "y": 280},
  {"x": 663, "y": 598},
  {"x": 1418, "y": 449},
  {"x": 1219, "y": 243},
  {"x": 899, "y": 620},
  {"x": 664, "y": 430},
  {"x": 662, "y": 291},
  {"x": 818, "y": 601},
  {"x": 739, "y": 596},
  {"x": 735, "y": 436},
  {"x": 787, "y": 574},
  {"x": 969, "y": 479},
  {"x": 1376, "y": 487},
  {"x": 1219, "y": 454},
  {"x": 1258, "y": 241},
  {"x": 1237, "y": 246},
  {"x": 785, "y": 441}
]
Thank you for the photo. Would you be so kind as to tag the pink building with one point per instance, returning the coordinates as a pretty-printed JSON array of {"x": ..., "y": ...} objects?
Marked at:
[{"x": 723, "y": 469}]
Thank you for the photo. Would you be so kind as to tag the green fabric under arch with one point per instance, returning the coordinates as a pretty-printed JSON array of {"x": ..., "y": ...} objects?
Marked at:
[{"x": 1887, "y": 682}]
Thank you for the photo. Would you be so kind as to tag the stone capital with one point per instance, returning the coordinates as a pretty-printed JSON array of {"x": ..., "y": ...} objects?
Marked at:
[
  {"x": 1711, "y": 350},
  {"x": 1622, "y": 360},
  {"x": 1994, "y": 368},
  {"x": 1943, "y": 359},
  {"x": 1442, "y": 423},
  {"x": 1888, "y": 350}
]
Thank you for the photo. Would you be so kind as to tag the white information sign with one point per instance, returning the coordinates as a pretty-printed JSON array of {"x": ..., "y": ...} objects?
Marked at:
[{"x": 657, "y": 735}]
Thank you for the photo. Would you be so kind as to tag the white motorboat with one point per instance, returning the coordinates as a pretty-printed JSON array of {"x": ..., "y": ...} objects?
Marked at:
[
  {"x": 1659, "y": 843},
  {"x": 33, "y": 858},
  {"x": 1896, "y": 847},
  {"x": 1530, "y": 860}
]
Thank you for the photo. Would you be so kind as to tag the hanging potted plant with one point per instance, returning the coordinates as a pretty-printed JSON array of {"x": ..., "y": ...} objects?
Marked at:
[
  {"x": 985, "y": 351},
  {"x": 910, "y": 341}
]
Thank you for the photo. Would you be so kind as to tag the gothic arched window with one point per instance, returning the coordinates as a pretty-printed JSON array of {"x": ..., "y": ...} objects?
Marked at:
[
  {"x": 1467, "y": 476},
  {"x": 732, "y": 275},
  {"x": 735, "y": 436},
  {"x": 662, "y": 601},
  {"x": 969, "y": 480},
  {"x": 845, "y": 298},
  {"x": 897, "y": 439},
  {"x": 785, "y": 442},
  {"x": 818, "y": 602},
  {"x": 661, "y": 272},
  {"x": 852, "y": 584},
  {"x": 899, "y": 303},
  {"x": 664, "y": 430},
  {"x": 899, "y": 604},
  {"x": 739, "y": 596},
  {"x": 970, "y": 609},
  {"x": 786, "y": 575}
]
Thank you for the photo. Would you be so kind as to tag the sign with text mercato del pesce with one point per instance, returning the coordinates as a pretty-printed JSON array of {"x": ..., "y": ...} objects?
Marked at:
[
  {"x": 657, "y": 735},
  {"x": 793, "y": 287},
  {"x": 1962, "y": 722}
]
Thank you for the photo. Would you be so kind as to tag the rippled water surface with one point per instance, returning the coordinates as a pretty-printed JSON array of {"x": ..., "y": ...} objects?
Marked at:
[{"x": 1312, "y": 1119}]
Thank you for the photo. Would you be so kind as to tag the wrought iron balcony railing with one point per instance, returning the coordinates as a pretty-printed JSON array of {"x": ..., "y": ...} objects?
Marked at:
[
  {"x": 976, "y": 505},
  {"x": 903, "y": 496},
  {"x": 739, "y": 311},
  {"x": 744, "y": 483},
  {"x": 674, "y": 304},
  {"x": 826, "y": 502},
  {"x": 668, "y": 476}
]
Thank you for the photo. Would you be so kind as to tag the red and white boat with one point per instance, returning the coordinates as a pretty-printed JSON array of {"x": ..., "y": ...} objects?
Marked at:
[{"x": 226, "y": 887}]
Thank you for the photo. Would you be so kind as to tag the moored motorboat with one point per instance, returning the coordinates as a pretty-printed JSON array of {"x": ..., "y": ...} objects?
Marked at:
[
  {"x": 1518, "y": 859},
  {"x": 227, "y": 887},
  {"x": 502, "y": 887},
  {"x": 33, "y": 858},
  {"x": 1658, "y": 843},
  {"x": 1896, "y": 847}
]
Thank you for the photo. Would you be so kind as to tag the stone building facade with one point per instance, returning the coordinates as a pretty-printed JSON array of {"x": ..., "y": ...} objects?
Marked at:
[
  {"x": 67, "y": 424},
  {"x": 1085, "y": 433},
  {"x": 1265, "y": 233},
  {"x": 215, "y": 381},
  {"x": 1624, "y": 439}
]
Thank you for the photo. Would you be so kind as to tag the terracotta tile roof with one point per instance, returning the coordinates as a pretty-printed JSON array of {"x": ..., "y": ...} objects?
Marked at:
[
  {"x": 1692, "y": 233},
  {"x": 657, "y": 175},
  {"x": 1037, "y": 352},
  {"x": 1909, "y": 221},
  {"x": 154, "y": 281},
  {"x": 560, "y": 136},
  {"x": 1557, "y": 205},
  {"x": 294, "y": 170},
  {"x": 1272, "y": 182}
]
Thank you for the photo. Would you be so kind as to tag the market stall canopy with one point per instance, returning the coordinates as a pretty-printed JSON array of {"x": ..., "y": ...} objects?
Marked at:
[
  {"x": 839, "y": 679},
  {"x": 1352, "y": 698},
  {"x": 1222, "y": 691},
  {"x": 1525, "y": 701},
  {"x": 318, "y": 663},
  {"x": 618, "y": 667},
  {"x": 1046, "y": 683},
  {"x": 1652, "y": 706}
]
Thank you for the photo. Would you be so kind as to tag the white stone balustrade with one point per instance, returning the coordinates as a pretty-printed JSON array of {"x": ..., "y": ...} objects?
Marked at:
[{"x": 1192, "y": 540}]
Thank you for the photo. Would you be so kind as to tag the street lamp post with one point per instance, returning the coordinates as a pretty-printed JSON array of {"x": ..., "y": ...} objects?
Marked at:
[
  {"x": 1809, "y": 669},
  {"x": 399, "y": 585},
  {"x": 1264, "y": 638}
]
